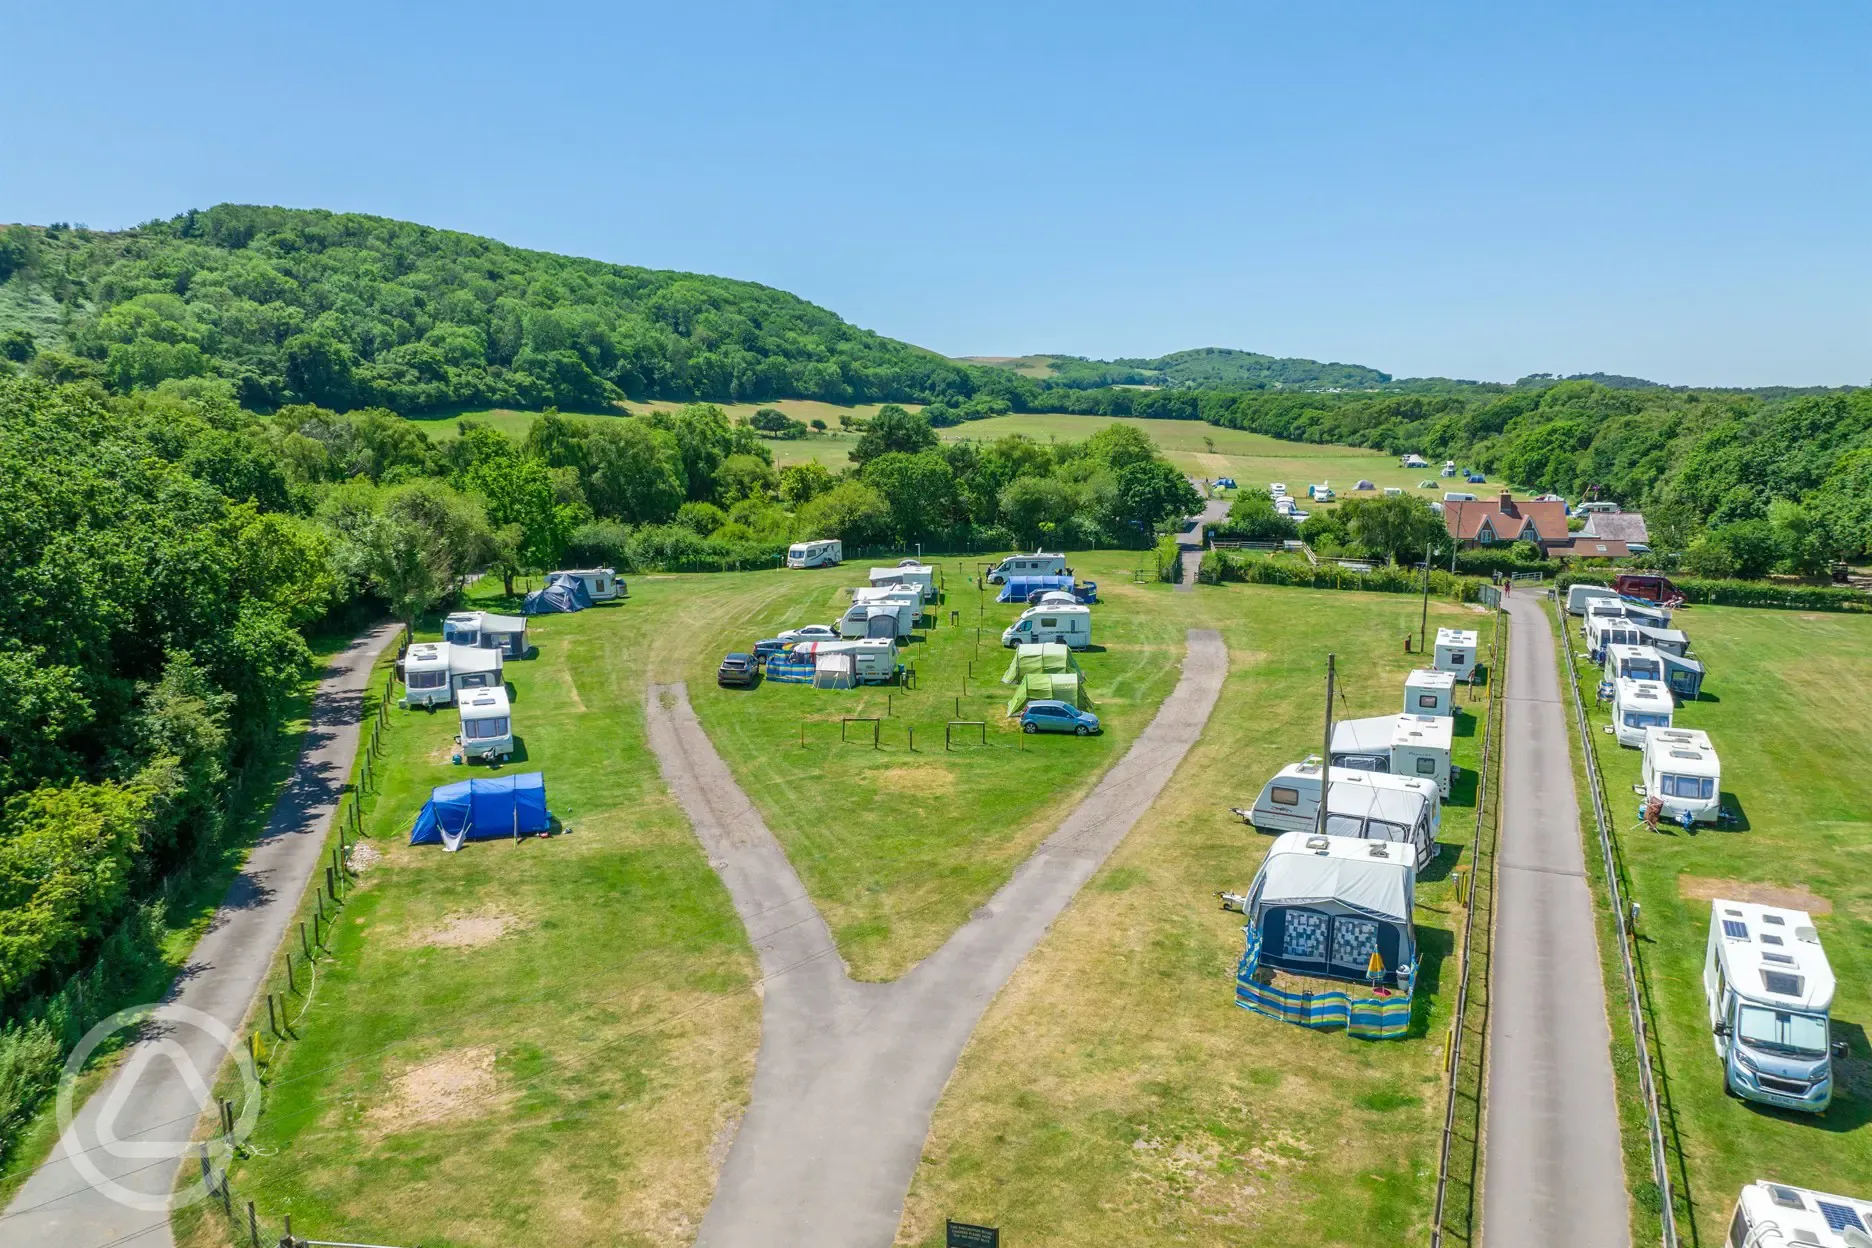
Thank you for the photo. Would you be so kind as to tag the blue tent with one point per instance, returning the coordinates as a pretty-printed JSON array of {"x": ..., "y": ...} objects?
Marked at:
[
  {"x": 1020, "y": 588},
  {"x": 563, "y": 592},
  {"x": 482, "y": 810}
]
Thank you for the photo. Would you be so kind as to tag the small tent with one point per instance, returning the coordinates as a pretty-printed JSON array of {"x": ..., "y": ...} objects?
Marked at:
[
  {"x": 483, "y": 810},
  {"x": 563, "y": 592},
  {"x": 1033, "y": 658},
  {"x": 1364, "y": 485},
  {"x": 1067, "y": 687}
]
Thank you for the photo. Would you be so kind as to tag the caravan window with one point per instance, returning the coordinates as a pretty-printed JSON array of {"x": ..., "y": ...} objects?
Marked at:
[
  {"x": 484, "y": 729},
  {"x": 427, "y": 680},
  {"x": 1353, "y": 942},
  {"x": 1701, "y": 787},
  {"x": 1283, "y": 796},
  {"x": 1426, "y": 766},
  {"x": 1045, "y": 622},
  {"x": 476, "y": 680},
  {"x": 1427, "y": 700},
  {"x": 1634, "y": 720},
  {"x": 1456, "y": 656}
]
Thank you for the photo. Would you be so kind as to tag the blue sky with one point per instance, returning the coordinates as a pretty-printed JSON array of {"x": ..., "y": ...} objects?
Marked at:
[{"x": 1677, "y": 191}]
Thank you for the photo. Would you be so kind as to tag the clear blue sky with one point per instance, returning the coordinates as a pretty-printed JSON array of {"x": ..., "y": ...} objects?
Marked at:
[{"x": 1677, "y": 191}]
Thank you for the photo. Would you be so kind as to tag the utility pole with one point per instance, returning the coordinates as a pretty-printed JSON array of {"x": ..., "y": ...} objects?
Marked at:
[
  {"x": 1326, "y": 756},
  {"x": 1423, "y": 629}
]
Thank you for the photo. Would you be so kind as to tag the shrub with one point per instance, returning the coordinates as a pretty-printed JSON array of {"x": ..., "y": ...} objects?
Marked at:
[
  {"x": 1169, "y": 559},
  {"x": 1382, "y": 579},
  {"x": 1728, "y": 593}
]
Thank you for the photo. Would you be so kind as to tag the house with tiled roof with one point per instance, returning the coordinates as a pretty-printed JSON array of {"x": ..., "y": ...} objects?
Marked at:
[
  {"x": 1617, "y": 526},
  {"x": 1504, "y": 520}
]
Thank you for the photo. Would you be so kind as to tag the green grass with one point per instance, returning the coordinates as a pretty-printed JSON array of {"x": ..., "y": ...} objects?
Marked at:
[
  {"x": 1783, "y": 703},
  {"x": 1114, "y": 1093}
]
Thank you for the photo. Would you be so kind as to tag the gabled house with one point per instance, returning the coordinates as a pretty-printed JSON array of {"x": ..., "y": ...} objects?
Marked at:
[
  {"x": 1504, "y": 520},
  {"x": 1627, "y": 527}
]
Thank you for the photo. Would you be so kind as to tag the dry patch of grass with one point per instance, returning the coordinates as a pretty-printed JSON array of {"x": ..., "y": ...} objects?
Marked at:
[
  {"x": 1797, "y": 897},
  {"x": 454, "y": 1085},
  {"x": 469, "y": 931},
  {"x": 923, "y": 779}
]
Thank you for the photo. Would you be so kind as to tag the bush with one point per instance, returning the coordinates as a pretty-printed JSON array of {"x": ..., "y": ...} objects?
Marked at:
[
  {"x": 599, "y": 544},
  {"x": 1728, "y": 593},
  {"x": 1169, "y": 559},
  {"x": 1382, "y": 579},
  {"x": 1503, "y": 563}
]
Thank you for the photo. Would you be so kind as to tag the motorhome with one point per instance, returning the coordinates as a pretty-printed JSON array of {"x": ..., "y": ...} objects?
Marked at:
[
  {"x": 877, "y": 619},
  {"x": 1039, "y": 563},
  {"x": 1398, "y": 745},
  {"x": 1455, "y": 651},
  {"x": 818, "y": 554},
  {"x": 486, "y": 725},
  {"x": 426, "y": 675},
  {"x": 875, "y": 657},
  {"x": 1429, "y": 692},
  {"x": 603, "y": 584},
  {"x": 910, "y": 573},
  {"x": 1577, "y": 596},
  {"x": 1769, "y": 990},
  {"x": 1682, "y": 772},
  {"x": 1071, "y": 626},
  {"x": 1638, "y": 705},
  {"x": 1777, "y": 1215},
  {"x": 1366, "y": 805},
  {"x": 1633, "y": 662},
  {"x": 1324, "y": 905}
]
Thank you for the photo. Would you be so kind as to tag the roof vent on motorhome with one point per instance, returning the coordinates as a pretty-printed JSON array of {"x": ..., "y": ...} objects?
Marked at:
[{"x": 1318, "y": 844}]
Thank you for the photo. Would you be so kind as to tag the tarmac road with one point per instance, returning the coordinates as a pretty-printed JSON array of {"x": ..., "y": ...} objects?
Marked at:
[
  {"x": 1553, "y": 1174},
  {"x": 1214, "y": 511},
  {"x": 148, "y": 1107},
  {"x": 849, "y": 1073}
]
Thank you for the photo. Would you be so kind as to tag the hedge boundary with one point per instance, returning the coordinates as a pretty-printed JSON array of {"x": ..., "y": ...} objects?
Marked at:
[{"x": 1764, "y": 594}]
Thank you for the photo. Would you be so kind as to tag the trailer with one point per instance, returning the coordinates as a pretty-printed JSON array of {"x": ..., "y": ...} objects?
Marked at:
[
  {"x": 1327, "y": 906},
  {"x": 1633, "y": 663},
  {"x": 1769, "y": 990},
  {"x": 1365, "y": 805},
  {"x": 1399, "y": 745},
  {"x": 505, "y": 633},
  {"x": 1683, "y": 774},
  {"x": 908, "y": 573},
  {"x": 426, "y": 675},
  {"x": 1577, "y": 596},
  {"x": 603, "y": 584},
  {"x": 1456, "y": 651},
  {"x": 486, "y": 725},
  {"x": 816, "y": 554},
  {"x": 877, "y": 619},
  {"x": 1636, "y": 706},
  {"x": 1429, "y": 692},
  {"x": 874, "y": 658}
]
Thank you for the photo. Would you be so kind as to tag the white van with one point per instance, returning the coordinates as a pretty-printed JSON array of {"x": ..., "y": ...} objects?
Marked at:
[
  {"x": 1399, "y": 745},
  {"x": 1779, "y": 1215},
  {"x": 1682, "y": 771},
  {"x": 486, "y": 725},
  {"x": 818, "y": 554},
  {"x": 1770, "y": 992},
  {"x": 426, "y": 675},
  {"x": 1638, "y": 705},
  {"x": 1368, "y": 805},
  {"x": 1071, "y": 626},
  {"x": 603, "y": 584},
  {"x": 1037, "y": 564}
]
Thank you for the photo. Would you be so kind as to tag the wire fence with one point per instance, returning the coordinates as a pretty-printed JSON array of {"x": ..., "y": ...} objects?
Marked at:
[
  {"x": 1621, "y": 920},
  {"x": 1481, "y": 895}
]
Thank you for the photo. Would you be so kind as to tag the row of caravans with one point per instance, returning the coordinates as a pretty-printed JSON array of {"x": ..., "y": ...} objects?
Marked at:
[{"x": 472, "y": 677}]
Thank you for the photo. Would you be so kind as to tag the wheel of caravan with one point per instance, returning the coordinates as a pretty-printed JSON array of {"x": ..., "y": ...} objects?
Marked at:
[{"x": 1030, "y": 726}]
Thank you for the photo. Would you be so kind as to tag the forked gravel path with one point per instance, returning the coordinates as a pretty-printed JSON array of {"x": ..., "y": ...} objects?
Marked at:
[
  {"x": 849, "y": 1073},
  {"x": 148, "y": 1107}
]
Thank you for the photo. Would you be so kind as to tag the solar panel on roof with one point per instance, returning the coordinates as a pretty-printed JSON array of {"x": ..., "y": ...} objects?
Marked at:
[
  {"x": 1839, "y": 1217},
  {"x": 1734, "y": 930}
]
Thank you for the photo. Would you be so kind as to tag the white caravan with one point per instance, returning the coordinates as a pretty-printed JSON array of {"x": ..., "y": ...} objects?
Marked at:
[
  {"x": 1633, "y": 663},
  {"x": 1071, "y": 626},
  {"x": 1368, "y": 805},
  {"x": 1277, "y": 490},
  {"x": 878, "y": 619},
  {"x": 908, "y": 573},
  {"x": 1776, "y": 1215},
  {"x": 1037, "y": 564},
  {"x": 426, "y": 675},
  {"x": 471, "y": 667},
  {"x": 1398, "y": 745},
  {"x": 603, "y": 584},
  {"x": 486, "y": 725},
  {"x": 1456, "y": 651},
  {"x": 1429, "y": 692},
  {"x": 819, "y": 554},
  {"x": 1638, "y": 705},
  {"x": 1608, "y": 625},
  {"x": 1577, "y": 596},
  {"x": 1682, "y": 771},
  {"x": 875, "y": 657},
  {"x": 506, "y": 633},
  {"x": 1769, "y": 990}
]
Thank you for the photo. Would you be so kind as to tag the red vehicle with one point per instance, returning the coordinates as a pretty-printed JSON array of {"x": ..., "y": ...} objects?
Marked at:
[{"x": 1648, "y": 587}]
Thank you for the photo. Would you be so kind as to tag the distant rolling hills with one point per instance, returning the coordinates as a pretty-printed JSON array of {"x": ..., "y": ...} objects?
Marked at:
[{"x": 1205, "y": 368}]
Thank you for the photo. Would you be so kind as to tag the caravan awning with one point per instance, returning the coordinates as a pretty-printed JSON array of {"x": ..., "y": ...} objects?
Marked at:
[
  {"x": 1364, "y": 736},
  {"x": 1347, "y": 873},
  {"x": 464, "y": 660},
  {"x": 502, "y": 624}
]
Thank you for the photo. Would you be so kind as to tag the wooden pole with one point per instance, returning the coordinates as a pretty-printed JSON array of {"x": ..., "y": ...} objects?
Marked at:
[
  {"x": 305, "y": 944},
  {"x": 1423, "y": 628},
  {"x": 272, "y": 1021},
  {"x": 292, "y": 983},
  {"x": 253, "y": 1226}
]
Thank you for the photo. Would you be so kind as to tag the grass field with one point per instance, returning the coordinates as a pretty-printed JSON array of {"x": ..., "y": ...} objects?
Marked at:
[
  {"x": 1783, "y": 703},
  {"x": 1114, "y": 1094}
]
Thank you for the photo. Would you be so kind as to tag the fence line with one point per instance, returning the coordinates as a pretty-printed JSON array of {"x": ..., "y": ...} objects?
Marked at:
[
  {"x": 1660, "y": 1161},
  {"x": 1497, "y": 689}
]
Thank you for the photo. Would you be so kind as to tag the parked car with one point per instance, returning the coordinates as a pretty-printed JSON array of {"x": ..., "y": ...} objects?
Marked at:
[
  {"x": 1048, "y": 715},
  {"x": 767, "y": 647},
  {"x": 738, "y": 669},
  {"x": 811, "y": 632}
]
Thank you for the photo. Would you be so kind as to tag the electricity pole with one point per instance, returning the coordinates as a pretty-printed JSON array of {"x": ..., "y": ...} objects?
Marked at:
[
  {"x": 1423, "y": 629},
  {"x": 1326, "y": 756}
]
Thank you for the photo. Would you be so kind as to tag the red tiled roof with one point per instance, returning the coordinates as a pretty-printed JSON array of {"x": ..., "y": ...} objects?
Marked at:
[{"x": 1509, "y": 519}]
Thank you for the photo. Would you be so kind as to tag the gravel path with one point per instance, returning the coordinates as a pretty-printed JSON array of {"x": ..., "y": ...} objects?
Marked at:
[
  {"x": 1553, "y": 1173},
  {"x": 849, "y": 1073},
  {"x": 147, "y": 1108}
]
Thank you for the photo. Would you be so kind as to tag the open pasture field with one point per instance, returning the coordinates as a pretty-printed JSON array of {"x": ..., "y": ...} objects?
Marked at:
[{"x": 1783, "y": 702}]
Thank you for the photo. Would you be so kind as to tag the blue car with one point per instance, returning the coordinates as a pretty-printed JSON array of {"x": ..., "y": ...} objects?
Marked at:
[
  {"x": 1048, "y": 715},
  {"x": 767, "y": 647}
]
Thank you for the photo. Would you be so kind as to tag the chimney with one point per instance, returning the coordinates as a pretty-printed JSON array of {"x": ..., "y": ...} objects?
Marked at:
[{"x": 1507, "y": 504}]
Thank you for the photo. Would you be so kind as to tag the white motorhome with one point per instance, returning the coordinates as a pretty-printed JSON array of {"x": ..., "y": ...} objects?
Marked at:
[
  {"x": 1429, "y": 692},
  {"x": 1456, "y": 651},
  {"x": 1037, "y": 564},
  {"x": 911, "y": 573},
  {"x": 1633, "y": 663},
  {"x": 603, "y": 584},
  {"x": 1398, "y": 745},
  {"x": 1777, "y": 1215},
  {"x": 875, "y": 657},
  {"x": 1638, "y": 705},
  {"x": 471, "y": 667},
  {"x": 1069, "y": 625},
  {"x": 818, "y": 554},
  {"x": 426, "y": 675},
  {"x": 1769, "y": 990},
  {"x": 1368, "y": 805},
  {"x": 486, "y": 725},
  {"x": 1682, "y": 771},
  {"x": 1577, "y": 596}
]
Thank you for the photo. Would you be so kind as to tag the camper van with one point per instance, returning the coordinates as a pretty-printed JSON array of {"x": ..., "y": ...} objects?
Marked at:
[
  {"x": 878, "y": 619},
  {"x": 1037, "y": 564},
  {"x": 1578, "y": 596},
  {"x": 875, "y": 657},
  {"x": 1775, "y": 1215},
  {"x": 1429, "y": 692},
  {"x": 1398, "y": 745},
  {"x": 1769, "y": 990},
  {"x": 1638, "y": 705},
  {"x": 1682, "y": 772},
  {"x": 1456, "y": 651},
  {"x": 603, "y": 584},
  {"x": 1323, "y": 905},
  {"x": 1650, "y": 587},
  {"x": 426, "y": 675},
  {"x": 1367, "y": 805},
  {"x": 486, "y": 725},
  {"x": 911, "y": 573},
  {"x": 1071, "y": 626},
  {"x": 820, "y": 554},
  {"x": 1633, "y": 663}
]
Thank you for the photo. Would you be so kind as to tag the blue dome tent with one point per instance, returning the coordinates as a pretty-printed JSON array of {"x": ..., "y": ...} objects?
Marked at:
[
  {"x": 483, "y": 810},
  {"x": 563, "y": 592}
]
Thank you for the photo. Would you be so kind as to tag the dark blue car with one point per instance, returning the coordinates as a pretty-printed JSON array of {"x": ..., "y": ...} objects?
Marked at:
[{"x": 1048, "y": 715}]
